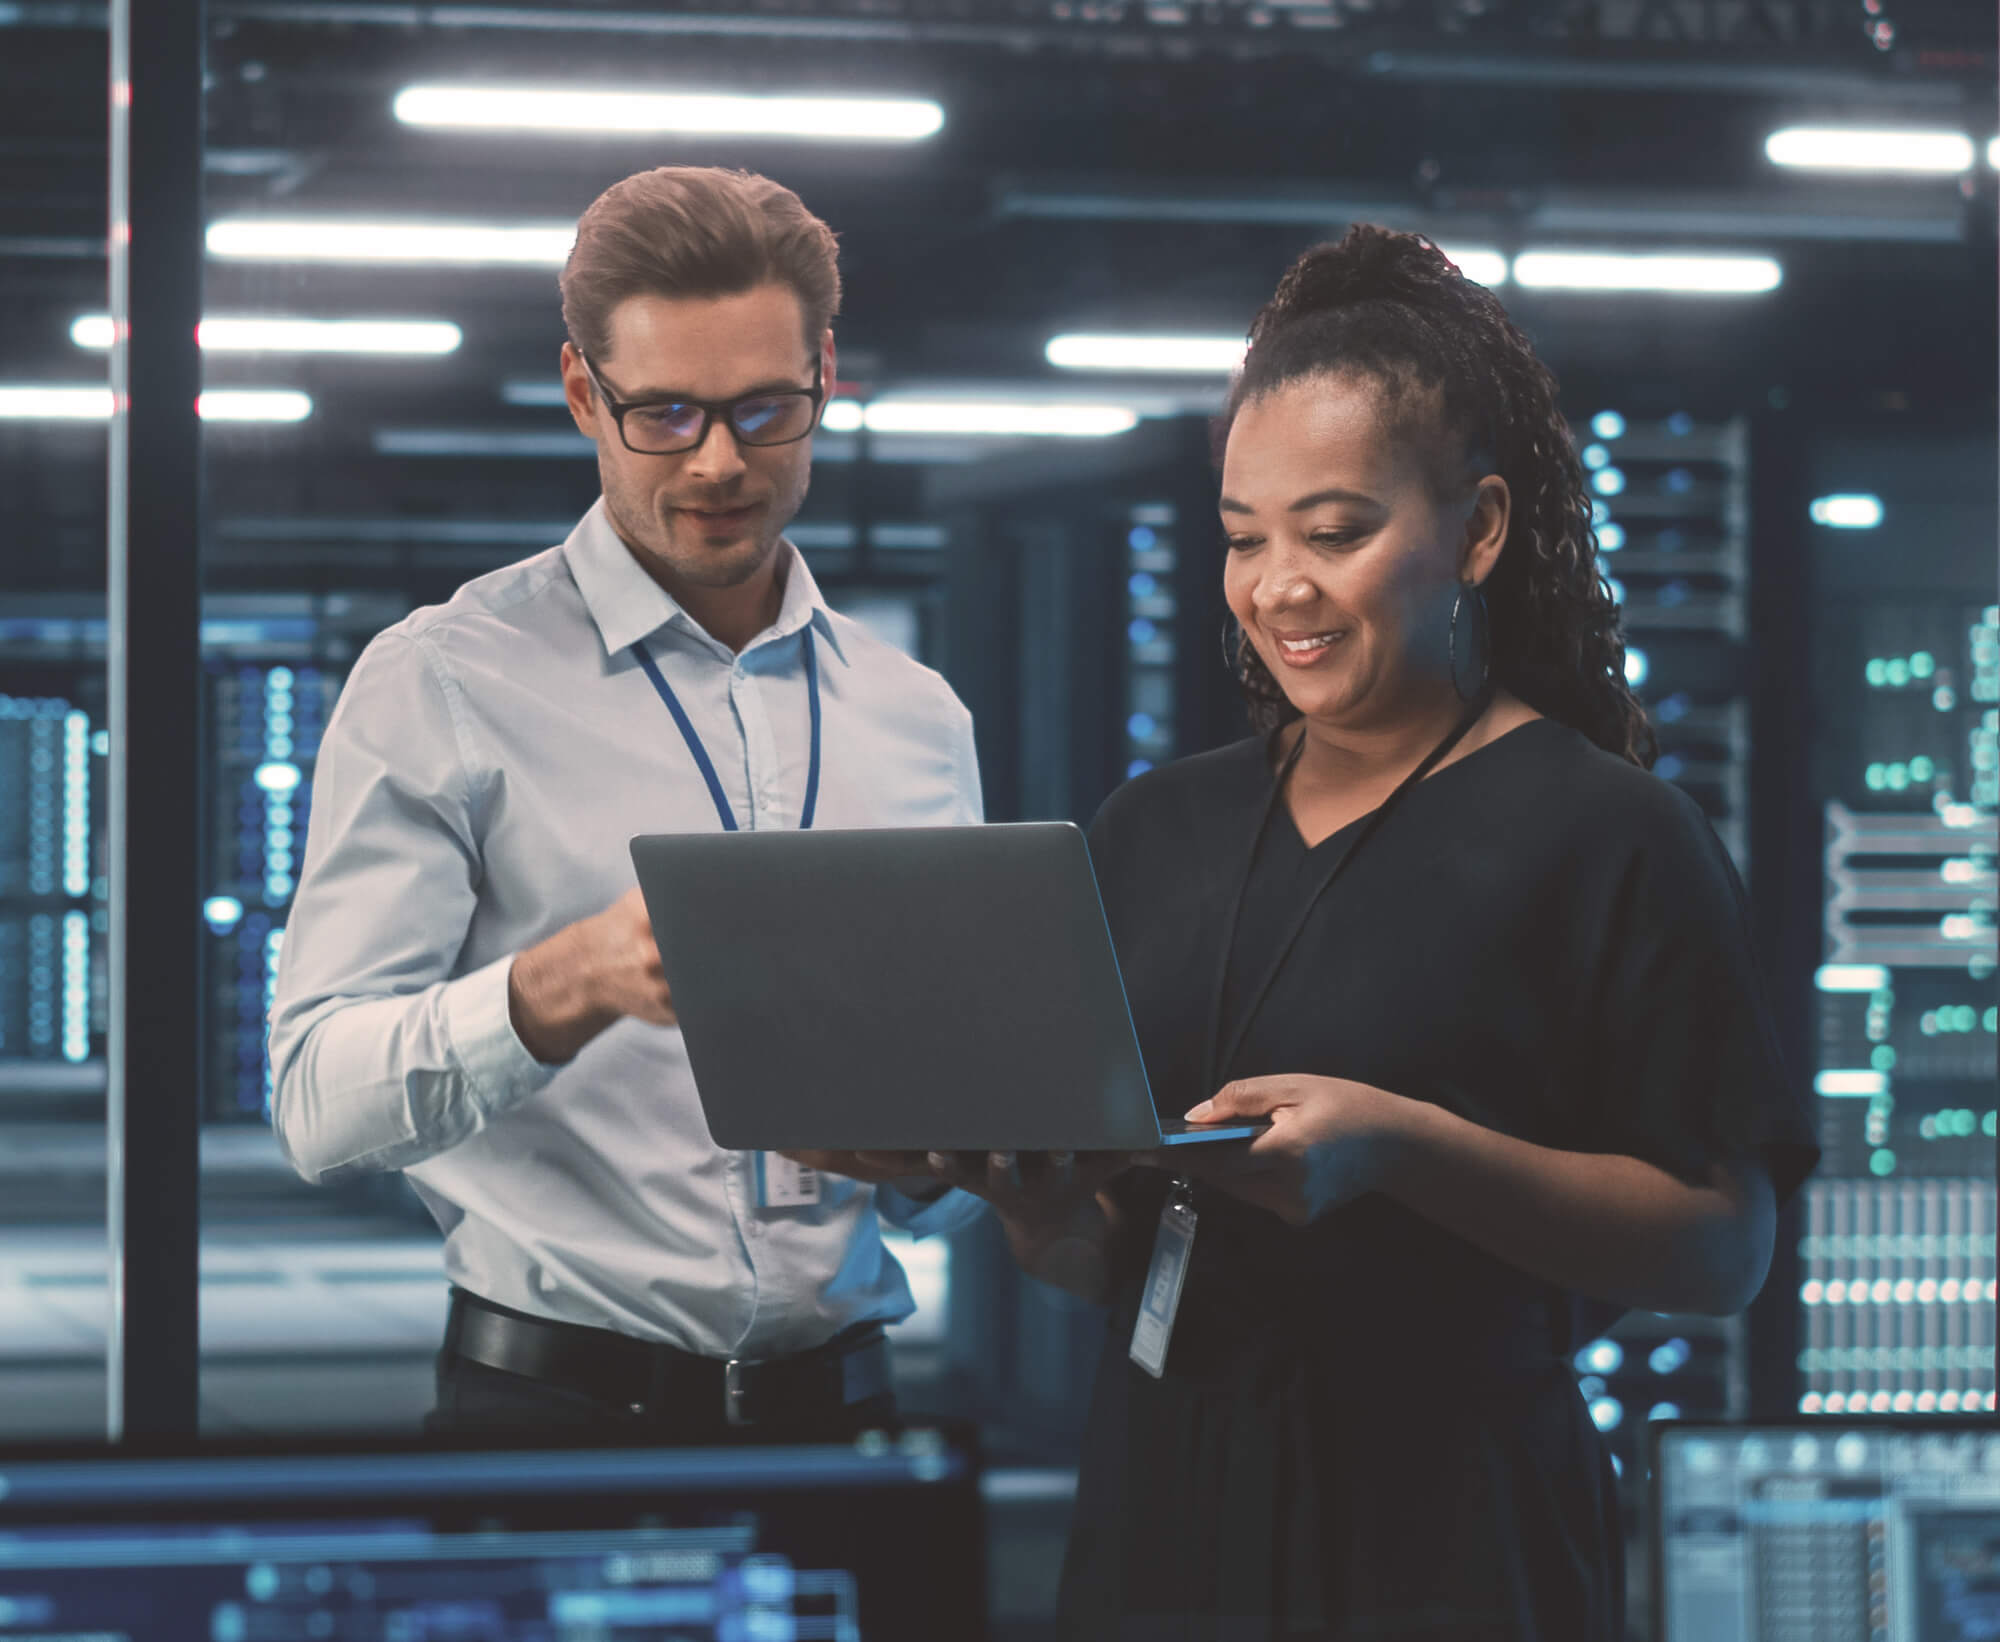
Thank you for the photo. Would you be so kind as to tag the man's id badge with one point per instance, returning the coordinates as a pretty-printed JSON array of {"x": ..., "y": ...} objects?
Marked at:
[
  {"x": 1161, "y": 1298},
  {"x": 783, "y": 1184}
]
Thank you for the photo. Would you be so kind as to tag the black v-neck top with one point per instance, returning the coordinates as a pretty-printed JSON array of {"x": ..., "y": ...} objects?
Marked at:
[{"x": 1541, "y": 938}]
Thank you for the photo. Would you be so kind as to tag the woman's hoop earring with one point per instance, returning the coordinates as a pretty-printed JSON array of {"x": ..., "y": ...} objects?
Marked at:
[
  {"x": 1482, "y": 646},
  {"x": 1232, "y": 646}
]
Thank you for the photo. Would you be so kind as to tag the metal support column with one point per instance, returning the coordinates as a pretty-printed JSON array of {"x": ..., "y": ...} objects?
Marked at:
[{"x": 154, "y": 651}]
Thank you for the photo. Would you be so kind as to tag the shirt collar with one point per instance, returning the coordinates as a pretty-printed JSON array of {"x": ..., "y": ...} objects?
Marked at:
[{"x": 627, "y": 604}]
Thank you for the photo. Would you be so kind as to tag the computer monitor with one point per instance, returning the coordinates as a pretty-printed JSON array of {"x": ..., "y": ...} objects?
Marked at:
[
  {"x": 876, "y": 1541},
  {"x": 1829, "y": 1531}
]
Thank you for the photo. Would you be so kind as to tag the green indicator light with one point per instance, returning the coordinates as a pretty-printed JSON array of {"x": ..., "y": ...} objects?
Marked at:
[
  {"x": 1883, "y": 1162},
  {"x": 1883, "y": 1058},
  {"x": 1991, "y": 1123},
  {"x": 1921, "y": 769},
  {"x": 1968, "y": 1122},
  {"x": 1878, "y": 671},
  {"x": 1965, "y": 1018},
  {"x": 1922, "y": 664},
  {"x": 1877, "y": 777},
  {"x": 1993, "y": 1020},
  {"x": 1898, "y": 673},
  {"x": 1899, "y": 777},
  {"x": 1929, "y": 1024}
]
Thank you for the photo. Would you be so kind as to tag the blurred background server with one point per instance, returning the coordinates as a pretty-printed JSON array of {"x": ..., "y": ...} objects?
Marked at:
[{"x": 1755, "y": 242}]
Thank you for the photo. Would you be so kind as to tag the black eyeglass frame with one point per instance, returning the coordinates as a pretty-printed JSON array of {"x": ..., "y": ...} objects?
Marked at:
[{"x": 712, "y": 408}]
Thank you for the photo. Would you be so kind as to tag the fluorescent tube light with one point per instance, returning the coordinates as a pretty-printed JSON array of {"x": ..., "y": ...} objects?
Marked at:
[
  {"x": 90, "y": 404},
  {"x": 1993, "y": 153},
  {"x": 1480, "y": 266},
  {"x": 364, "y": 336},
  {"x": 1850, "y": 1085},
  {"x": 531, "y": 108},
  {"x": 254, "y": 405},
  {"x": 53, "y": 404},
  {"x": 1181, "y": 355},
  {"x": 994, "y": 417},
  {"x": 1839, "y": 148},
  {"x": 471, "y": 244},
  {"x": 1628, "y": 271},
  {"x": 1847, "y": 512},
  {"x": 1851, "y": 977}
]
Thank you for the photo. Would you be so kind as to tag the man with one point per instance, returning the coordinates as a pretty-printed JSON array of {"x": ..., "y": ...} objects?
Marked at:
[{"x": 470, "y": 990}]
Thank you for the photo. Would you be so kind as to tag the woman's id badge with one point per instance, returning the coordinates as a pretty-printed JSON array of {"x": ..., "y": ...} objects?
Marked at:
[
  {"x": 1161, "y": 1298},
  {"x": 783, "y": 1184}
]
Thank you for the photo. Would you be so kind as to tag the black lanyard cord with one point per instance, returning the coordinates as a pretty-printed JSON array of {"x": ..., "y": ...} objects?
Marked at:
[{"x": 1369, "y": 827}]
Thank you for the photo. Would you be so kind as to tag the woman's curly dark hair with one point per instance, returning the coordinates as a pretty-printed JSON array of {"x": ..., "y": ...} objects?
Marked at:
[{"x": 1454, "y": 371}]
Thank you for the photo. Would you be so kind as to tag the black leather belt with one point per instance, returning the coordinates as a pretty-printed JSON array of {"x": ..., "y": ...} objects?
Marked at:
[{"x": 649, "y": 1379}]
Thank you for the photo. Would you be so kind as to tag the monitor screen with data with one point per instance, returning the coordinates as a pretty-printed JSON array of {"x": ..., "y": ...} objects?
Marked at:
[
  {"x": 1828, "y": 1532},
  {"x": 880, "y": 1541}
]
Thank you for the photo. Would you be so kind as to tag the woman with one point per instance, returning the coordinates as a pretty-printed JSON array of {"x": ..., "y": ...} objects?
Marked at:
[{"x": 1515, "y": 1060}]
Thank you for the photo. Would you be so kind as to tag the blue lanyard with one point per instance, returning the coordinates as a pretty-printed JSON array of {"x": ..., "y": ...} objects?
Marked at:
[{"x": 700, "y": 752}]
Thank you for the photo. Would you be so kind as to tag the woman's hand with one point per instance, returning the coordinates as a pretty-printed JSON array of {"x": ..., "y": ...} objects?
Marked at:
[{"x": 1330, "y": 1141}]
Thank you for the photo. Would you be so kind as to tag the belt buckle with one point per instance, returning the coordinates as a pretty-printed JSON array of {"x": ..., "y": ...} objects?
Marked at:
[{"x": 733, "y": 1392}]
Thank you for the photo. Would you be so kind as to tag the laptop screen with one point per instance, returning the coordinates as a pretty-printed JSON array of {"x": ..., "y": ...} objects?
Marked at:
[
  {"x": 1869, "y": 1531},
  {"x": 881, "y": 1540}
]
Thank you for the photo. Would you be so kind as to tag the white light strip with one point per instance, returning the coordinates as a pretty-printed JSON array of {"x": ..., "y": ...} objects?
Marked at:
[
  {"x": 1851, "y": 977},
  {"x": 1482, "y": 267},
  {"x": 365, "y": 336},
  {"x": 1840, "y": 148},
  {"x": 1847, "y": 512},
  {"x": 1628, "y": 271},
  {"x": 1993, "y": 153},
  {"x": 1181, "y": 355},
  {"x": 37, "y": 404},
  {"x": 532, "y": 108},
  {"x": 66, "y": 404},
  {"x": 472, "y": 244},
  {"x": 993, "y": 417},
  {"x": 1851, "y": 1084}
]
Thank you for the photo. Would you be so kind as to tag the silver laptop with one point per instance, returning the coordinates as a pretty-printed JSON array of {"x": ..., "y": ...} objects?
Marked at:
[{"x": 903, "y": 989}]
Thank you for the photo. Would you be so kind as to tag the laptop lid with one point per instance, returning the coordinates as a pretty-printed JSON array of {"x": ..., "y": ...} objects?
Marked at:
[{"x": 899, "y": 989}]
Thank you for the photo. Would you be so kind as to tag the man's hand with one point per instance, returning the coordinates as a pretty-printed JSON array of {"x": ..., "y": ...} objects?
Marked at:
[
  {"x": 1330, "y": 1141},
  {"x": 563, "y": 991},
  {"x": 1058, "y": 1220},
  {"x": 877, "y": 1168}
]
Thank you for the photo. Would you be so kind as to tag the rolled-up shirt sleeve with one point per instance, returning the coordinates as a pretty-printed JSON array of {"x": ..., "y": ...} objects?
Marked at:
[{"x": 382, "y": 1054}]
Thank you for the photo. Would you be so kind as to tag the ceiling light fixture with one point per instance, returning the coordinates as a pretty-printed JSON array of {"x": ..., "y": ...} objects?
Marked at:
[
  {"x": 356, "y": 336},
  {"x": 470, "y": 244},
  {"x": 1852, "y": 512},
  {"x": 998, "y": 418},
  {"x": 533, "y": 108},
  {"x": 1178, "y": 355},
  {"x": 1480, "y": 266},
  {"x": 1840, "y": 148},
  {"x": 34, "y": 403},
  {"x": 1684, "y": 274}
]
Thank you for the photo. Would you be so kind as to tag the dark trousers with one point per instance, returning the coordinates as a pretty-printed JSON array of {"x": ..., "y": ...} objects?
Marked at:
[{"x": 476, "y": 1401}]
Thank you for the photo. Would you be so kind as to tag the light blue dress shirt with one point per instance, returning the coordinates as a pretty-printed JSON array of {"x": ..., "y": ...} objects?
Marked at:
[{"x": 480, "y": 777}]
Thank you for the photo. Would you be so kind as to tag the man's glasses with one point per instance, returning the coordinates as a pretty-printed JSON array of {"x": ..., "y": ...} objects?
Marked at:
[{"x": 662, "y": 426}]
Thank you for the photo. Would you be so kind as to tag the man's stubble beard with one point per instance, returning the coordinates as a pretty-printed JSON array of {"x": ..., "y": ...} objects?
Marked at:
[{"x": 649, "y": 533}]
